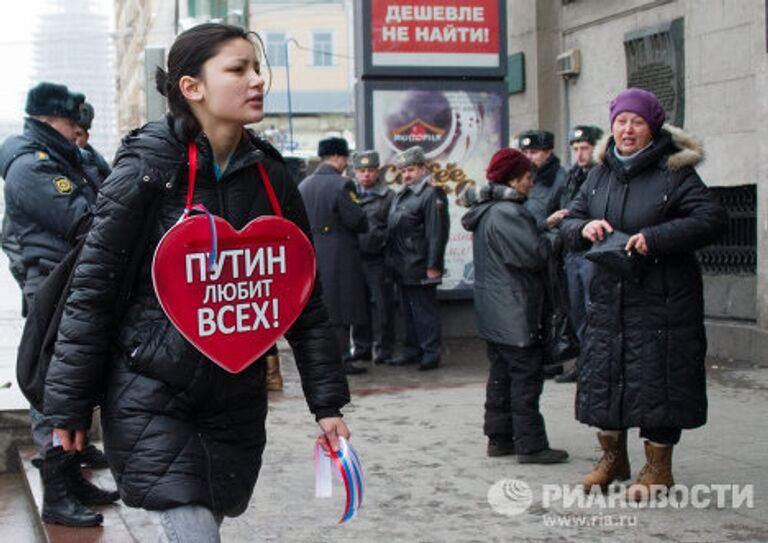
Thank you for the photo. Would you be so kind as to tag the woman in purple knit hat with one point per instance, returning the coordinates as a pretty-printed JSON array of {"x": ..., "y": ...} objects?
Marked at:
[{"x": 644, "y": 345}]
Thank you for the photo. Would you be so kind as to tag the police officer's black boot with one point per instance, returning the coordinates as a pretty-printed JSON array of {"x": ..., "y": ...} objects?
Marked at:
[
  {"x": 60, "y": 506},
  {"x": 92, "y": 457},
  {"x": 85, "y": 491}
]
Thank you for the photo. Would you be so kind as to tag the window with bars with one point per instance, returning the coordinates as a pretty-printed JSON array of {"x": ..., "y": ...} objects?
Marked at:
[
  {"x": 322, "y": 49},
  {"x": 736, "y": 250}
]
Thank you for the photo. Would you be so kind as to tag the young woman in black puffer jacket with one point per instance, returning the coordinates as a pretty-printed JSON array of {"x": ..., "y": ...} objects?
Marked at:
[{"x": 182, "y": 435}]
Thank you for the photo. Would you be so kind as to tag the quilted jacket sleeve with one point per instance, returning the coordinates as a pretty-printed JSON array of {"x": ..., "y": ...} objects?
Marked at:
[
  {"x": 696, "y": 218},
  {"x": 75, "y": 377}
]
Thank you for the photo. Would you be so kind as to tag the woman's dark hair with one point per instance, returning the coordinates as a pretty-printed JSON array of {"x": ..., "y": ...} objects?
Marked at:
[{"x": 191, "y": 49}]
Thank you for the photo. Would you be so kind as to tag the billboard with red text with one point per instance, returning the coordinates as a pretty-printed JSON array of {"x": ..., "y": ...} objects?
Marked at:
[{"x": 445, "y": 37}]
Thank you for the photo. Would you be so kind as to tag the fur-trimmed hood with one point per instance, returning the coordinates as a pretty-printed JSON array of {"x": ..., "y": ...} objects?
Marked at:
[{"x": 690, "y": 151}]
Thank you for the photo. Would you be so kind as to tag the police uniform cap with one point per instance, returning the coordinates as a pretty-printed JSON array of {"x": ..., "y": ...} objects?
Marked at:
[
  {"x": 536, "y": 139},
  {"x": 332, "y": 146},
  {"x": 365, "y": 159},
  {"x": 411, "y": 156},
  {"x": 54, "y": 100},
  {"x": 86, "y": 116},
  {"x": 584, "y": 132}
]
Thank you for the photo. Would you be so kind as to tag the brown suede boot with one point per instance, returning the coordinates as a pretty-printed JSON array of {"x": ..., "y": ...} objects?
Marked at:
[
  {"x": 274, "y": 378},
  {"x": 655, "y": 477},
  {"x": 612, "y": 466}
]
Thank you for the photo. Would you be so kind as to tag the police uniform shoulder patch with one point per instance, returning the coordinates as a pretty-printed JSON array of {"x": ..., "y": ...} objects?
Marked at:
[
  {"x": 354, "y": 198},
  {"x": 41, "y": 155},
  {"x": 62, "y": 184}
]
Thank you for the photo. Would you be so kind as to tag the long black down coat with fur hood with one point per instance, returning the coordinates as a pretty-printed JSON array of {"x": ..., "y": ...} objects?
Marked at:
[
  {"x": 643, "y": 351},
  {"x": 177, "y": 428}
]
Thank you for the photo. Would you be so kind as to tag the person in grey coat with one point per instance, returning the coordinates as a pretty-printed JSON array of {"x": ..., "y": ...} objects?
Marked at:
[
  {"x": 510, "y": 255},
  {"x": 336, "y": 218},
  {"x": 374, "y": 341}
]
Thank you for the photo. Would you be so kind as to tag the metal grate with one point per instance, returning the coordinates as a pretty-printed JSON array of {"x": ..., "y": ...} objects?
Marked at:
[{"x": 736, "y": 251}]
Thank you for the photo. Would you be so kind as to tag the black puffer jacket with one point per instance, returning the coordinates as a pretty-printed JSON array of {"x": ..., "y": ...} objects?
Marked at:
[
  {"x": 177, "y": 428},
  {"x": 644, "y": 345}
]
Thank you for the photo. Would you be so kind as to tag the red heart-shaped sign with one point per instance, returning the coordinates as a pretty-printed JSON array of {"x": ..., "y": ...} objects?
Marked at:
[{"x": 235, "y": 311}]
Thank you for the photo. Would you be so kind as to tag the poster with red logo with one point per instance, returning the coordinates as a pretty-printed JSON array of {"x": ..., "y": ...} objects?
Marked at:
[
  {"x": 459, "y": 126},
  {"x": 441, "y": 35}
]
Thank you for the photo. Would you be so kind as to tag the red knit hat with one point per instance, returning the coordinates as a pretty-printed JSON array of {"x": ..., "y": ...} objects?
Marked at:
[{"x": 507, "y": 164}]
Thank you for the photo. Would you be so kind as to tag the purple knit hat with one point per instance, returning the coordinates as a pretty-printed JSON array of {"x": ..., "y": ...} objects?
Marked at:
[{"x": 641, "y": 102}]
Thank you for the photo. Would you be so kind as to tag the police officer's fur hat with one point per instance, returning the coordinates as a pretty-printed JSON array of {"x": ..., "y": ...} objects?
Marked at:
[
  {"x": 332, "y": 146},
  {"x": 365, "y": 159},
  {"x": 54, "y": 100},
  {"x": 535, "y": 139},
  {"x": 411, "y": 156},
  {"x": 584, "y": 132},
  {"x": 86, "y": 116}
]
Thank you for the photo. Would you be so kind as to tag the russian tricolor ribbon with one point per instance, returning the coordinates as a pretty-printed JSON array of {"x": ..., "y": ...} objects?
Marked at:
[{"x": 347, "y": 468}]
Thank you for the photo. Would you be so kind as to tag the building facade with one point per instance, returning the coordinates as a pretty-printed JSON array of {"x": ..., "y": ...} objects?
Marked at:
[
  {"x": 309, "y": 46},
  {"x": 708, "y": 61}
]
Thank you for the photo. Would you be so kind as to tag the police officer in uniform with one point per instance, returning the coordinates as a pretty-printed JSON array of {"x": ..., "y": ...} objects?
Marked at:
[
  {"x": 92, "y": 159},
  {"x": 544, "y": 198},
  {"x": 336, "y": 219},
  {"x": 578, "y": 269},
  {"x": 544, "y": 203},
  {"x": 377, "y": 339},
  {"x": 48, "y": 198},
  {"x": 418, "y": 233}
]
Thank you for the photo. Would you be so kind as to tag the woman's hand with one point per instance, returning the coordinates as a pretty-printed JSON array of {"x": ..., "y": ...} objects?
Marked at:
[
  {"x": 71, "y": 440},
  {"x": 637, "y": 242},
  {"x": 556, "y": 217},
  {"x": 595, "y": 230},
  {"x": 333, "y": 427}
]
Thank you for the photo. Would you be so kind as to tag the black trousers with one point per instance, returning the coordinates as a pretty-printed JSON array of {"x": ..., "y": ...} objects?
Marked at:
[
  {"x": 515, "y": 383},
  {"x": 378, "y": 335},
  {"x": 422, "y": 324}
]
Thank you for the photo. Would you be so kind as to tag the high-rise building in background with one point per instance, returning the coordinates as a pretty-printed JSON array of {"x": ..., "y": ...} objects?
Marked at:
[{"x": 73, "y": 44}]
